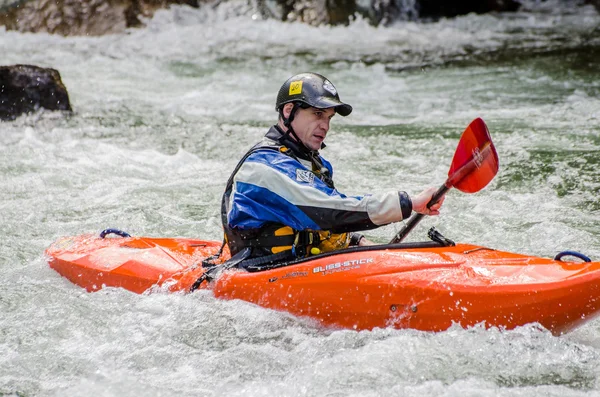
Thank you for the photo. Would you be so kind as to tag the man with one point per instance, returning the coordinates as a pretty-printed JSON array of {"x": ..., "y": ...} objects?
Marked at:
[{"x": 280, "y": 201}]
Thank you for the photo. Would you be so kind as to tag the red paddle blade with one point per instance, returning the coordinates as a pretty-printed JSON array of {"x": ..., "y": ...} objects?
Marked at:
[{"x": 475, "y": 161}]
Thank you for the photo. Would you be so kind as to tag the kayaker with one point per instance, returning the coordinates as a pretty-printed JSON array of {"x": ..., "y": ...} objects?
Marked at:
[{"x": 280, "y": 201}]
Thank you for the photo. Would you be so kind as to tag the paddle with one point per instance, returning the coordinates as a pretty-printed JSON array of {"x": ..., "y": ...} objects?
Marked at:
[{"x": 474, "y": 165}]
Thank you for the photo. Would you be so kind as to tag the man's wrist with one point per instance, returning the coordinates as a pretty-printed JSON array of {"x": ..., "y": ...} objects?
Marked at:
[
  {"x": 405, "y": 204},
  {"x": 355, "y": 238}
]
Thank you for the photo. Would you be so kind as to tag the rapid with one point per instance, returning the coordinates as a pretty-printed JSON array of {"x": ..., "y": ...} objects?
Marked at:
[{"x": 161, "y": 116}]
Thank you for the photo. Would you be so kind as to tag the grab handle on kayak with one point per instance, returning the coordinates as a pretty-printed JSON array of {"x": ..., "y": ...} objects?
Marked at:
[
  {"x": 576, "y": 254},
  {"x": 114, "y": 231}
]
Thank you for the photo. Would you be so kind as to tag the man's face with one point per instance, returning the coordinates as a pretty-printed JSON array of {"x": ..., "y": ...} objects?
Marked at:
[{"x": 311, "y": 125}]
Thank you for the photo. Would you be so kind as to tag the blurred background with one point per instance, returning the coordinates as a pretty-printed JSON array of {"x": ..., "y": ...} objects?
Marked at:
[{"x": 167, "y": 97}]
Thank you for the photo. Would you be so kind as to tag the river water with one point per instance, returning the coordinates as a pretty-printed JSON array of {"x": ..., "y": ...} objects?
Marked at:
[{"x": 161, "y": 116}]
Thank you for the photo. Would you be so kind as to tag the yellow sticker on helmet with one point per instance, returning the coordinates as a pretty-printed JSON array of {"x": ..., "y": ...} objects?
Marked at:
[{"x": 296, "y": 87}]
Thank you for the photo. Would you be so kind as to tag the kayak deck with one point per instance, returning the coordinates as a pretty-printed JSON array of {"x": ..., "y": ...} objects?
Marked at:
[{"x": 378, "y": 286}]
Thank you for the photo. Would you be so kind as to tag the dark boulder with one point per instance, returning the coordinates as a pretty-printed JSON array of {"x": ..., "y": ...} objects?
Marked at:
[{"x": 26, "y": 88}]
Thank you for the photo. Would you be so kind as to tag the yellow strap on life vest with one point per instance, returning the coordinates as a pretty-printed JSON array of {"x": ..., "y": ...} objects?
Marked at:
[{"x": 282, "y": 231}]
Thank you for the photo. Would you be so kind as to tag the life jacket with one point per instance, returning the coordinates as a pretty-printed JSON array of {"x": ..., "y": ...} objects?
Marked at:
[{"x": 278, "y": 239}]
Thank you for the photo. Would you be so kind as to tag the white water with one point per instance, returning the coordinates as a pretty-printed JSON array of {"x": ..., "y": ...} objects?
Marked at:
[{"x": 163, "y": 114}]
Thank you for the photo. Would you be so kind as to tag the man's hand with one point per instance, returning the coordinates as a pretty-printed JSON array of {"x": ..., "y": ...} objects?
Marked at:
[{"x": 419, "y": 202}]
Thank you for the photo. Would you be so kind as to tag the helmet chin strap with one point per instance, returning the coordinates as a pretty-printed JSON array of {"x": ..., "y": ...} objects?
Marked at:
[
  {"x": 287, "y": 122},
  {"x": 323, "y": 172}
]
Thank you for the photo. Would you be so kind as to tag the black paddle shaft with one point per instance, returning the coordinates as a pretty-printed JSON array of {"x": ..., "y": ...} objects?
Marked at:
[{"x": 416, "y": 218}]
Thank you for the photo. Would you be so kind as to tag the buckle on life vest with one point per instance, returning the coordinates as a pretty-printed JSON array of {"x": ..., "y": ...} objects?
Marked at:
[{"x": 304, "y": 241}]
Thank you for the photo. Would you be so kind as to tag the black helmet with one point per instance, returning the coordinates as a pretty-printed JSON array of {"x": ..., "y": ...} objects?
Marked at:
[{"x": 313, "y": 90}]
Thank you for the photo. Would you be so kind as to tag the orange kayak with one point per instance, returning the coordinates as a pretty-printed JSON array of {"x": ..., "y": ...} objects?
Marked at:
[{"x": 427, "y": 288}]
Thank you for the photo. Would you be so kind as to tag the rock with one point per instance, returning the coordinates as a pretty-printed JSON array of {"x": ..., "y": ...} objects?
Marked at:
[
  {"x": 81, "y": 17},
  {"x": 26, "y": 88}
]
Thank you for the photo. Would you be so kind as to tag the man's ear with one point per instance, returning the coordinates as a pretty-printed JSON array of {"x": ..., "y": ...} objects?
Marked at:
[{"x": 287, "y": 109}]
